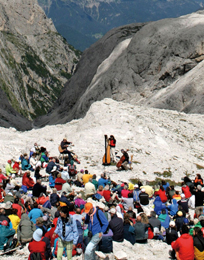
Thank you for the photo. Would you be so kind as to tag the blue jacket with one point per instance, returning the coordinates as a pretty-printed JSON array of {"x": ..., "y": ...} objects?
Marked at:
[
  {"x": 34, "y": 214},
  {"x": 25, "y": 165},
  {"x": 158, "y": 205},
  {"x": 95, "y": 227},
  {"x": 173, "y": 207},
  {"x": 51, "y": 181},
  {"x": 165, "y": 219},
  {"x": 102, "y": 182},
  {"x": 71, "y": 231},
  {"x": 5, "y": 234},
  {"x": 166, "y": 186},
  {"x": 136, "y": 193}
]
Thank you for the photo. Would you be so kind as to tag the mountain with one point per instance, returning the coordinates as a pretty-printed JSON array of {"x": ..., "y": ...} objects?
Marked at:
[
  {"x": 35, "y": 61},
  {"x": 158, "y": 64},
  {"x": 93, "y": 18},
  {"x": 9, "y": 117}
]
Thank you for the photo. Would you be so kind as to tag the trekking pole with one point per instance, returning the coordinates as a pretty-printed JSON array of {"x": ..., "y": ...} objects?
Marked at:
[{"x": 83, "y": 252}]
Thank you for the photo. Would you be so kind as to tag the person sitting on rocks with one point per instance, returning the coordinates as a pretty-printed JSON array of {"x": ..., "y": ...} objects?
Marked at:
[
  {"x": 59, "y": 182},
  {"x": 141, "y": 229},
  {"x": 89, "y": 189},
  {"x": 72, "y": 169},
  {"x": 6, "y": 233},
  {"x": 25, "y": 163},
  {"x": 28, "y": 181},
  {"x": 64, "y": 145},
  {"x": 38, "y": 188},
  {"x": 9, "y": 169},
  {"x": 25, "y": 229}
]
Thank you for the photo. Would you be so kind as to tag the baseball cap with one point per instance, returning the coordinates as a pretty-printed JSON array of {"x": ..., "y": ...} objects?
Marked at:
[
  {"x": 88, "y": 206},
  {"x": 136, "y": 186},
  {"x": 182, "y": 195}
]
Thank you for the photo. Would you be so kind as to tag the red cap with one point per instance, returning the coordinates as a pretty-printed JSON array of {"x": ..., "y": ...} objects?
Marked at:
[{"x": 122, "y": 185}]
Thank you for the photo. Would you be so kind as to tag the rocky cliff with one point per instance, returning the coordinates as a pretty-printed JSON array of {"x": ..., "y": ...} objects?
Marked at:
[
  {"x": 158, "y": 64},
  {"x": 35, "y": 61}
]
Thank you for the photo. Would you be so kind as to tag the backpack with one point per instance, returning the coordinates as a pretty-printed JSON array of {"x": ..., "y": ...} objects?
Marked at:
[
  {"x": 72, "y": 170},
  {"x": 36, "y": 256},
  {"x": 106, "y": 232},
  {"x": 11, "y": 244}
]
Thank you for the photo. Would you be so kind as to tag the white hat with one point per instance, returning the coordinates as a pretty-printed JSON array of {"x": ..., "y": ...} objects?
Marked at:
[
  {"x": 8, "y": 205},
  {"x": 101, "y": 205},
  {"x": 142, "y": 190},
  {"x": 182, "y": 195},
  {"x": 172, "y": 223},
  {"x": 136, "y": 186},
  {"x": 37, "y": 235},
  {"x": 2, "y": 205},
  {"x": 13, "y": 175},
  {"x": 112, "y": 211}
]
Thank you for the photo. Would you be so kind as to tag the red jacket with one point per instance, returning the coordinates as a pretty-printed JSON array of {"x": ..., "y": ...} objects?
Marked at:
[
  {"x": 184, "y": 246},
  {"x": 186, "y": 191},
  {"x": 58, "y": 183},
  {"x": 27, "y": 181},
  {"x": 107, "y": 195},
  {"x": 37, "y": 247},
  {"x": 18, "y": 207},
  {"x": 162, "y": 195}
]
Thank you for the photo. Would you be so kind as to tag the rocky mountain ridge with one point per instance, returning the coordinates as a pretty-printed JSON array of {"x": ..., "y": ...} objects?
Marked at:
[
  {"x": 35, "y": 61},
  {"x": 83, "y": 22},
  {"x": 157, "y": 64}
]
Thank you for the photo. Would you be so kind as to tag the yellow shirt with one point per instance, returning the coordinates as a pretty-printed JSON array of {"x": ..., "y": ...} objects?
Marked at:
[
  {"x": 86, "y": 178},
  {"x": 15, "y": 220}
]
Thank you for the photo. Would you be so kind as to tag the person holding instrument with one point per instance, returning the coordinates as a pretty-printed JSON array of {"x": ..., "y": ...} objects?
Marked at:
[
  {"x": 64, "y": 144},
  {"x": 124, "y": 160}
]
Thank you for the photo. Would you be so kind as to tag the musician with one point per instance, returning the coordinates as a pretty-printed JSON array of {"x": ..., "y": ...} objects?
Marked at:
[
  {"x": 112, "y": 143},
  {"x": 64, "y": 144},
  {"x": 125, "y": 160}
]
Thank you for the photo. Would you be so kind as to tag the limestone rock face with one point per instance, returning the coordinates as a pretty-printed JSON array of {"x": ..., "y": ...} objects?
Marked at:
[
  {"x": 9, "y": 117},
  {"x": 158, "y": 64},
  {"x": 35, "y": 61}
]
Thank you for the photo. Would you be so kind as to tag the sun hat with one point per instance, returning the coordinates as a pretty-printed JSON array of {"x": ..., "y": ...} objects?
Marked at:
[
  {"x": 8, "y": 205},
  {"x": 37, "y": 235},
  {"x": 112, "y": 211},
  {"x": 101, "y": 205},
  {"x": 88, "y": 206}
]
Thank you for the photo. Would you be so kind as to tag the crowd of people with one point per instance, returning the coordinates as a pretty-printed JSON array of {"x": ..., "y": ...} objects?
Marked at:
[{"x": 76, "y": 212}]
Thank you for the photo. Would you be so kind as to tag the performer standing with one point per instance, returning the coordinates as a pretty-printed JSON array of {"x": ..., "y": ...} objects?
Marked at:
[{"x": 112, "y": 143}]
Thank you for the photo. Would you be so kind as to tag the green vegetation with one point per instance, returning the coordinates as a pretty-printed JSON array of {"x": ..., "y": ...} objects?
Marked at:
[
  {"x": 65, "y": 74},
  {"x": 156, "y": 181},
  {"x": 164, "y": 174}
]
